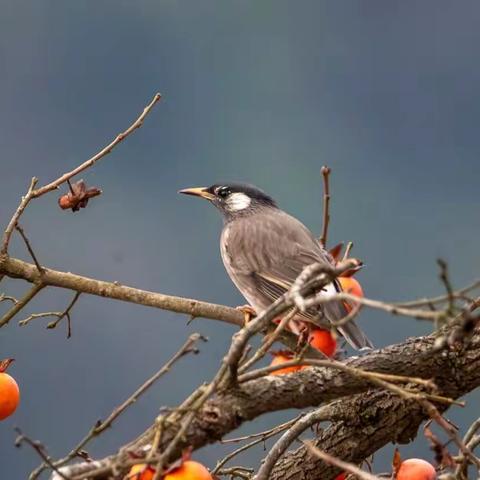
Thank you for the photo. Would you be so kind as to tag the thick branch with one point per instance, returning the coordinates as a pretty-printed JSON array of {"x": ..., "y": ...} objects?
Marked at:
[
  {"x": 455, "y": 373},
  {"x": 15, "y": 268}
]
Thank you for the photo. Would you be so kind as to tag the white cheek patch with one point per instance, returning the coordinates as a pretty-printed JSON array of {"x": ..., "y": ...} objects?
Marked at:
[
  {"x": 329, "y": 291},
  {"x": 237, "y": 201}
]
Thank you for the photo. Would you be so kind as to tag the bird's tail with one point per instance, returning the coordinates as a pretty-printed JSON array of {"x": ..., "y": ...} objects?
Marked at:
[
  {"x": 335, "y": 311},
  {"x": 355, "y": 336}
]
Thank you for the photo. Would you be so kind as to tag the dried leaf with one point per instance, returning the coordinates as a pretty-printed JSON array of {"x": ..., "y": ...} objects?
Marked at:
[
  {"x": 78, "y": 196},
  {"x": 396, "y": 462},
  {"x": 336, "y": 251},
  {"x": 4, "y": 364},
  {"x": 442, "y": 455}
]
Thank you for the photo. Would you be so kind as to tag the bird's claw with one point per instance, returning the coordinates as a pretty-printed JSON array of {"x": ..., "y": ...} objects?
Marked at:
[{"x": 303, "y": 335}]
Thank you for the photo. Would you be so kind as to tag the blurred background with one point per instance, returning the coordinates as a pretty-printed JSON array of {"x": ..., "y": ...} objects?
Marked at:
[{"x": 386, "y": 93}]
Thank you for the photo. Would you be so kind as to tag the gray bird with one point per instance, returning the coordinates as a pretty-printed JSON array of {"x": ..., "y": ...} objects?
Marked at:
[{"x": 264, "y": 250}]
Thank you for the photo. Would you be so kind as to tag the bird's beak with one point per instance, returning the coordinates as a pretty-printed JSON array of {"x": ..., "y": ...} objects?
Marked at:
[{"x": 198, "y": 192}]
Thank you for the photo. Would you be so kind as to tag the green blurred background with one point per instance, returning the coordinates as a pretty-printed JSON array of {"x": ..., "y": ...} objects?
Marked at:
[{"x": 386, "y": 93}]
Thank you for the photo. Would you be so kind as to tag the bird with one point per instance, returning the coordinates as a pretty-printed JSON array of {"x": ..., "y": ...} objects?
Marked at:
[{"x": 264, "y": 250}]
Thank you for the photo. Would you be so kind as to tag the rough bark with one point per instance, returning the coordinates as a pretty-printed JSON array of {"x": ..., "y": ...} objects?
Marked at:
[{"x": 369, "y": 423}]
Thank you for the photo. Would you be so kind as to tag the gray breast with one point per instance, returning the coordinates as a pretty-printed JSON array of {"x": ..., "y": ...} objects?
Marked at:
[{"x": 231, "y": 242}]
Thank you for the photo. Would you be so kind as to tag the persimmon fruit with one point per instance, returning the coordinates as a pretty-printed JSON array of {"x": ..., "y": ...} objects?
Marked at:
[
  {"x": 416, "y": 469},
  {"x": 352, "y": 286},
  {"x": 278, "y": 359},
  {"x": 9, "y": 391},
  {"x": 141, "y": 471},
  {"x": 324, "y": 341},
  {"x": 189, "y": 470}
]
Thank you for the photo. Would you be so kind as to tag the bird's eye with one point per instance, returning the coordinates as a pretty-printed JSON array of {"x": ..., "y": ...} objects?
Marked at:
[{"x": 223, "y": 192}]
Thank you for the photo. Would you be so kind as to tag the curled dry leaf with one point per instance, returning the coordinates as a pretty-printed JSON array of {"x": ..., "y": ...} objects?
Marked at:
[
  {"x": 78, "y": 196},
  {"x": 336, "y": 251},
  {"x": 442, "y": 455}
]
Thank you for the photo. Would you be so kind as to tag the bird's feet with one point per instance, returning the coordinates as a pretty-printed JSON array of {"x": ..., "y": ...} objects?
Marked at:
[
  {"x": 248, "y": 313},
  {"x": 304, "y": 330}
]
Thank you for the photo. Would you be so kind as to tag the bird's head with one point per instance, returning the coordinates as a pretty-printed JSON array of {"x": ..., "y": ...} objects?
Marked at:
[{"x": 233, "y": 199}]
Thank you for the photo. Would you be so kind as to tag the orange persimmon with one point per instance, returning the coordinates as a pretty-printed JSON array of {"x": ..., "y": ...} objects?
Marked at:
[
  {"x": 9, "y": 392},
  {"x": 416, "y": 469},
  {"x": 351, "y": 286},
  {"x": 189, "y": 470},
  {"x": 141, "y": 471},
  {"x": 324, "y": 341},
  {"x": 282, "y": 357}
]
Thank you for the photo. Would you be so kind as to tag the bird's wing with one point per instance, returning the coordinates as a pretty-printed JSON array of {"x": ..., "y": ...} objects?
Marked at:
[{"x": 272, "y": 250}]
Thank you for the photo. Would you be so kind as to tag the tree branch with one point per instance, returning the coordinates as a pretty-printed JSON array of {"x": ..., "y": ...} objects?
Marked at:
[
  {"x": 15, "y": 268},
  {"x": 381, "y": 416}
]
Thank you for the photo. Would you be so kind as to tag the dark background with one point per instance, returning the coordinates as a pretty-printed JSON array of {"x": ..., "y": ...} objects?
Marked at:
[{"x": 386, "y": 93}]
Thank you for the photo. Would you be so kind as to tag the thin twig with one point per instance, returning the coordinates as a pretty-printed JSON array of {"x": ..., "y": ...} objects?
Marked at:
[
  {"x": 243, "y": 448},
  {"x": 418, "y": 314},
  {"x": 18, "y": 212},
  {"x": 4, "y": 298},
  {"x": 258, "y": 438},
  {"x": 21, "y": 303},
  {"x": 237, "y": 472},
  {"x": 355, "y": 309},
  {"x": 282, "y": 426},
  {"x": 472, "y": 430},
  {"x": 281, "y": 445},
  {"x": 336, "y": 462},
  {"x": 70, "y": 187},
  {"x": 348, "y": 249},
  {"x": 40, "y": 449},
  {"x": 29, "y": 247},
  {"x": 445, "y": 279},
  {"x": 326, "y": 205},
  {"x": 105, "y": 151},
  {"x": 59, "y": 315},
  {"x": 268, "y": 341},
  {"x": 440, "y": 299}
]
